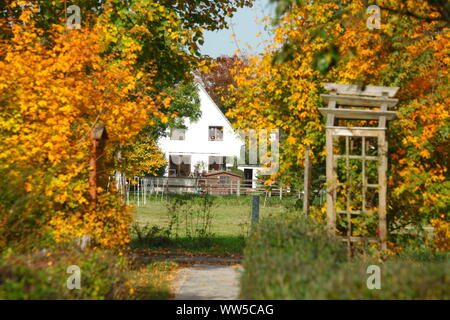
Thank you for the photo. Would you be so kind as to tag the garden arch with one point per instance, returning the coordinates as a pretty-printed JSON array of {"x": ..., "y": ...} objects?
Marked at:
[{"x": 356, "y": 162}]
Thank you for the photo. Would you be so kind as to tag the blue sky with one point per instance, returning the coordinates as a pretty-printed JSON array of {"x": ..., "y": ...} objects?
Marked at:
[{"x": 245, "y": 26}]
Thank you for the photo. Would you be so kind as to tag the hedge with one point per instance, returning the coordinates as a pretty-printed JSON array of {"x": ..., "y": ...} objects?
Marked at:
[
  {"x": 43, "y": 276},
  {"x": 293, "y": 258}
]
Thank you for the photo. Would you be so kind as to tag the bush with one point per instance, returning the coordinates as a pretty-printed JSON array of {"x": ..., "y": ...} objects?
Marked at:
[
  {"x": 43, "y": 275},
  {"x": 293, "y": 258},
  {"x": 191, "y": 217},
  {"x": 148, "y": 236},
  {"x": 22, "y": 213}
]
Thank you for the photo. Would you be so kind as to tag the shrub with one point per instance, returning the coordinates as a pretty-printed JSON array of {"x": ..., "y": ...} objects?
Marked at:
[
  {"x": 43, "y": 275},
  {"x": 283, "y": 257},
  {"x": 22, "y": 213},
  {"x": 146, "y": 235},
  {"x": 193, "y": 214},
  {"x": 294, "y": 258}
]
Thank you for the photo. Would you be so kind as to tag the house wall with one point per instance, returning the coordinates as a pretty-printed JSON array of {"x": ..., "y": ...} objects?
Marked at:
[{"x": 196, "y": 143}]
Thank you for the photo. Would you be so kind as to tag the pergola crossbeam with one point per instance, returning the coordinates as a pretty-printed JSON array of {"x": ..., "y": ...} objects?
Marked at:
[
  {"x": 359, "y": 101},
  {"x": 353, "y": 89},
  {"x": 353, "y": 114}
]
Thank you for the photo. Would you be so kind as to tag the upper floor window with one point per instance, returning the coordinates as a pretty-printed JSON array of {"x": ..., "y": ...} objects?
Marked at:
[
  {"x": 177, "y": 134},
  {"x": 215, "y": 134}
]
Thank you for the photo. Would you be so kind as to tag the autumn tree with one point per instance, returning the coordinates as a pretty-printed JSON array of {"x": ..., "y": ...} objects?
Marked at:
[
  {"x": 218, "y": 78},
  {"x": 169, "y": 33},
  {"x": 281, "y": 90},
  {"x": 123, "y": 69}
]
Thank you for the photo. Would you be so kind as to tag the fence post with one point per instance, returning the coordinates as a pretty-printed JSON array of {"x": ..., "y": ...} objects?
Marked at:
[
  {"x": 128, "y": 191},
  {"x": 238, "y": 187},
  {"x": 255, "y": 210},
  {"x": 145, "y": 191},
  {"x": 306, "y": 183},
  {"x": 138, "y": 191}
]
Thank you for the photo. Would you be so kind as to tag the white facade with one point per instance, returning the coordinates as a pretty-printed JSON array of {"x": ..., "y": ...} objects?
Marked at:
[{"x": 199, "y": 144}]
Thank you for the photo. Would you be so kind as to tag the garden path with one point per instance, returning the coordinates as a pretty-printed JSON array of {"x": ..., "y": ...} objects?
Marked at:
[{"x": 208, "y": 282}]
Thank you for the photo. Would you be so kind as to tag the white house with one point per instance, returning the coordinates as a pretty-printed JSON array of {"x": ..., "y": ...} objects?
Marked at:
[{"x": 204, "y": 145}]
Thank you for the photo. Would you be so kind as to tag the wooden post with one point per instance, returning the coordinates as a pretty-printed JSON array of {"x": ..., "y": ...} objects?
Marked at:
[
  {"x": 98, "y": 140},
  {"x": 119, "y": 176},
  {"x": 255, "y": 210},
  {"x": 306, "y": 182},
  {"x": 128, "y": 192},
  {"x": 238, "y": 187},
  {"x": 138, "y": 190},
  {"x": 331, "y": 215},
  {"x": 382, "y": 169},
  {"x": 93, "y": 171},
  {"x": 145, "y": 191},
  {"x": 97, "y": 176}
]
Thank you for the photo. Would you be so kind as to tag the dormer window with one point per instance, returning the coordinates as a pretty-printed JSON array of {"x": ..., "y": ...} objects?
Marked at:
[
  {"x": 215, "y": 133},
  {"x": 177, "y": 134}
]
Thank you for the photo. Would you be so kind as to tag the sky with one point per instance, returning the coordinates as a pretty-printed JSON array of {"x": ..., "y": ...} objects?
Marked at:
[{"x": 244, "y": 25}]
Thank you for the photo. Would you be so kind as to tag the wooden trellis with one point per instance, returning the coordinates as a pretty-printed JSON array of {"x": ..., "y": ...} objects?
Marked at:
[{"x": 357, "y": 158}]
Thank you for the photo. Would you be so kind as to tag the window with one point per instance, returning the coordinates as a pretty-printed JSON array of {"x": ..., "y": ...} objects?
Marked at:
[
  {"x": 216, "y": 163},
  {"x": 224, "y": 180},
  {"x": 215, "y": 134},
  {"x": 177, "y": 134},
  {"x": 180, "y": 166}
]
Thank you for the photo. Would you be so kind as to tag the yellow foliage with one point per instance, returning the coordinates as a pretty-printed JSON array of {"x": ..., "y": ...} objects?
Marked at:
[
  {"x": 51, "y": 97},
  {"x": 285, "y": 94},
  {"x": 441, "y": 238}
]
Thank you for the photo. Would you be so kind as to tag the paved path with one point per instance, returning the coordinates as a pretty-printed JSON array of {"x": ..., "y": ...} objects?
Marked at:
[{"x": 208, "y": 282}]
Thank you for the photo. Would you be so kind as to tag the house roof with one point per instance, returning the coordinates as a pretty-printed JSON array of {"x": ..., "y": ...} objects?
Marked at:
[{"x": 221, "y": 173}]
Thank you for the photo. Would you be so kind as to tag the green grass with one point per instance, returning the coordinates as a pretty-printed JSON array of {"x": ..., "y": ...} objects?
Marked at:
[{"x": 230, "y": 223}]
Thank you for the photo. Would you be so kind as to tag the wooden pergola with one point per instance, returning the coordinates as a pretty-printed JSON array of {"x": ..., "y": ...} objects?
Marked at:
[{"x": 357, "y": 157}]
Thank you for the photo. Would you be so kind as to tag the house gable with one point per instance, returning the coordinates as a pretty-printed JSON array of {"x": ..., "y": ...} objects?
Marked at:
[
  {"x": 211, "y": 102},
  {"x": 197, "y": 144}
]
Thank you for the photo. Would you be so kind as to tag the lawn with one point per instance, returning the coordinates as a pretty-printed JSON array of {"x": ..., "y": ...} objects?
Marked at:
[{"x": 228, "y": 223}]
